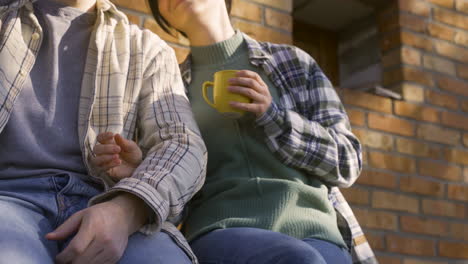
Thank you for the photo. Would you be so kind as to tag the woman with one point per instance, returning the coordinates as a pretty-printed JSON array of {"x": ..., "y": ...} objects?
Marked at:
[{"x": 265, "y": 199}]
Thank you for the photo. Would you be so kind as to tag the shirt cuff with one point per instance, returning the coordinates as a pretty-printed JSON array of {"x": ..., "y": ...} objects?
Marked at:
[
  {"x": 145, "y": 192},
  {"x": 274, "y": 114}
]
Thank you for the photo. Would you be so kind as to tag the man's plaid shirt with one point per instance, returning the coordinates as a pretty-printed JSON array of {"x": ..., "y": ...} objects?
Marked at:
[
  {"x": 308, "y": 129},
  {"x": 131, "y": 83}
]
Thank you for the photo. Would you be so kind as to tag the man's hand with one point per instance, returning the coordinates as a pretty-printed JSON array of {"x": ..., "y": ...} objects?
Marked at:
[
  {"x": 102, "y": 231},
  {"x": 250, "y": 84},
  {"x": 118, "y": 156}
]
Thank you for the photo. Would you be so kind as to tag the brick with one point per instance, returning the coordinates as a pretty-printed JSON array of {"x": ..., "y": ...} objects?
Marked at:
[
  {"x": 443, "y": 208},
  {"x": 464, "y": 105},
  {"x": 452, "y": 85},
  {"x": 388, "y": 260},
  {"x": 462, "y": 5},
  {"x": 417, "y": 261},
  {"x": 423, "y": 225},
  {"x": 285, "y": 5},
  {"x": 451, "y": 51},
  {"x": 392, "y": 58},
  {"x": 455, "y": 120},
  {"x": 262, "y": 33},
  {"x": 410, "y": 246},
  {"x": 417, "y": 7},
  {"x": 439, "y": 65},
  {"x": 374, "y": 139},
  {"x": 137, "y": 5},
  {"x": 356, "y": 195},
  {"x": 441, "y": 99},
  {"x": 441, "y": 32},
  {"x": 438, "y": 134},
  {"x": 377, "y": 179},
  {"x": 416, "y": 41},
  {"x": 453, "y": 249},
  {"x": 376, "y": 219},
  {"x": 390, "y": 124},
  {"x": 461, "y": 38},
  {"x": 465, "y": 174},
  {"x": 364, "y": 158},
  {"x": 394, "y": 201},
  {"x": 412, "y": 92},
  {"x": 415, "y": 111},
  {"x": 457, "y": 192},
  {"x": 421, "y": 186},
  {"x": 412, "y": 22},
  {"x": 410, "y": 56},
  {"x": 391, "y": 162},
  {"x": 404, "y": 55},
  {"x": 175, "y": 38},
  {"x": 462, "y": 71},
  {"x": 444, "y": 3},
  {"x": 392, "y": 77},
  {"x": 439, "y": 170},
  {"x": 356, "y": 117},
  {"x": 390, "y": 41},
  {"x": 459, "y": 231},
  {"x": 278, "y": 19},
  {"x": 419, "y": 76},
  {"x": 451, "y": 18},
  {"x": 465, "y": 140},
  {"x": 246, "y": 10},
  {"x": 376, "y": 241},
  {"x": 367, "y": 101},
  {"x": 417, "y": 148}
]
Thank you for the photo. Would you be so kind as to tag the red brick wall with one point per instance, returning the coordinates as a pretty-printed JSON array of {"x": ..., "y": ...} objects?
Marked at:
[{"x": 412, "y": 196}]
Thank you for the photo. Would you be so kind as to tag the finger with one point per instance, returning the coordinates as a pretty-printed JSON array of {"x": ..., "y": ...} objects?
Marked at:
[
  {"x": 250, "y": 74},
  {"x": 102, "y": 160},
  {"x": 250, "y": 93},
  {"x": 107, "y": 149},
  {"x": 105, "y": 137},
  {"x": 125, "y": 144},
  {"x": 67, "y": 228},
  {"x": 112, "y": 164},
  {"x": 92, "y": 254},
  {"x": 78, "y": 245},
  {"x": 254, "y": 108},
  {"x": 247, "y": 82}
]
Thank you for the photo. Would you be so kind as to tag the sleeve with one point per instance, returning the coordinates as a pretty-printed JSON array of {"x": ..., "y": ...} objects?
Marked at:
[
  {"x": 316, "y": 137},
  {"x": 10, "y": 5},
  {"x": 174, "y": 166}
]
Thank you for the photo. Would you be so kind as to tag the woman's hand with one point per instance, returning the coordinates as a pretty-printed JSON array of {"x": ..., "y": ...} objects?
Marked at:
[{"x": 250, "y": 84}]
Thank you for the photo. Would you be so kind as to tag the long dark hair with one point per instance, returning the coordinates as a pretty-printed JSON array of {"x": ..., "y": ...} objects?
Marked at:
[{"x": 163, "y": 22}]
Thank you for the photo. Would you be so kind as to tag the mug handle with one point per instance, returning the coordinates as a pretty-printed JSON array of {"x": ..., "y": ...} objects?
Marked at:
[{"x": 205, "y": 88}]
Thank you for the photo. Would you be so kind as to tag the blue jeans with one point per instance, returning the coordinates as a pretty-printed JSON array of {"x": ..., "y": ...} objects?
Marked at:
[
  {"x": 257, "y": 246},
  {"x": 32, "y": 207}
]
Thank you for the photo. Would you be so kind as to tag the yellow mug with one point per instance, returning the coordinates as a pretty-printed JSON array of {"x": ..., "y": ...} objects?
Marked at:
[{"x": 221, "y": 95}]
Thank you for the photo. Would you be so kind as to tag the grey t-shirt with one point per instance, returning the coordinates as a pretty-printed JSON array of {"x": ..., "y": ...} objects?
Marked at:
[{"x": 41, "y": 136}]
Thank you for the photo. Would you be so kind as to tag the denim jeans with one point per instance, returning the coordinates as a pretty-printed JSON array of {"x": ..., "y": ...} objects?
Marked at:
[
  {"x": 257, "y": 246},
  {"x": 32, "y": 207}
]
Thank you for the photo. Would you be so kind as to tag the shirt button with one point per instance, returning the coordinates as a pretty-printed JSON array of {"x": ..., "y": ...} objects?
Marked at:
[
  {"x": 35, "y": 36},
  {"x": 22, "y": 72}
]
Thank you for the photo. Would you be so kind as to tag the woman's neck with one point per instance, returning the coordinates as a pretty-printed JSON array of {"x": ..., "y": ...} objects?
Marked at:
[
  {"x": 83, "y": 5},
  {"x": 209, "y": 33}
]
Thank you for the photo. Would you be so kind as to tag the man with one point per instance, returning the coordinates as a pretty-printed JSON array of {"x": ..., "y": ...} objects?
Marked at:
[{"x": 73, "y": 72}]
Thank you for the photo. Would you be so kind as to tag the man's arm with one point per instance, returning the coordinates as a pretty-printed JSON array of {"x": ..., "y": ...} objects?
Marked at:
[
  {"x": 316, "y": 137},
  {"x": 175, "y": 155}
]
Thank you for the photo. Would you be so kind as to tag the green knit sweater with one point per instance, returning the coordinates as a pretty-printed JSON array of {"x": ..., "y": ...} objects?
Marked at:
[{"x": 246, "y": 186}]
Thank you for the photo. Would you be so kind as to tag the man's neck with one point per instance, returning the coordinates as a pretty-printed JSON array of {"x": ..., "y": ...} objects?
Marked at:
[{"x": 84, "y": 5}]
